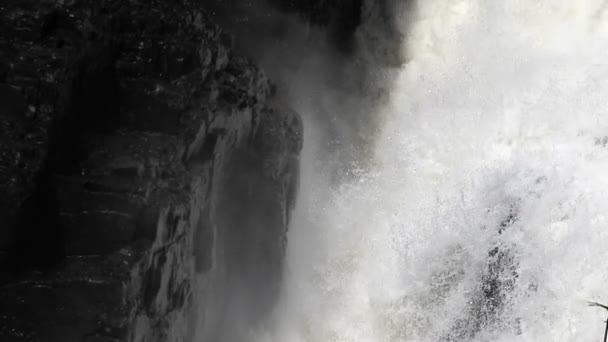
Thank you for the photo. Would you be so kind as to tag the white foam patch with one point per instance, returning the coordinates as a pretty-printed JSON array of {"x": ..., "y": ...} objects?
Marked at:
[{"x": 500, "y": 108}]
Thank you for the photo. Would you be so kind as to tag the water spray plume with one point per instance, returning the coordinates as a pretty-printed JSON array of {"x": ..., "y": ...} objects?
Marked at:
[{"x": 479, "y": 213}]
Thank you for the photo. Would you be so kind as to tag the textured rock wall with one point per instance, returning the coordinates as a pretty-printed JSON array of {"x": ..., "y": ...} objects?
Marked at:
[
  {"x": 340, "y": 18},
  {"x": 148, "y": 174}
]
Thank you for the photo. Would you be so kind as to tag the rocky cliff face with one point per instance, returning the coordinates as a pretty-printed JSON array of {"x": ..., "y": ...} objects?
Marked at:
[{"x": 148, "y": 174}]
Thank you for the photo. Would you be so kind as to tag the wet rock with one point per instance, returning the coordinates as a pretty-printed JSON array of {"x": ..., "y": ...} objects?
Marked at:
[
  {"x": 12, "y": 103},
  {"x": 128, "y": 130}
]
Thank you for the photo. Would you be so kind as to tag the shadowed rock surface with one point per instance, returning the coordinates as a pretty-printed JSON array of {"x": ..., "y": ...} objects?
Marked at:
[
  {"x": 273, "y": 19},
  {"x": 146, "y": 172}
]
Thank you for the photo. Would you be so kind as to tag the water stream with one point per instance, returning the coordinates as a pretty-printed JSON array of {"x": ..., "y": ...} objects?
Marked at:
[{"x": 484, "y": 213}]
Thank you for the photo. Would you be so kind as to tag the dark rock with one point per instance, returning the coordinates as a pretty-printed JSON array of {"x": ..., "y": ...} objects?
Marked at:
[
  {"x": 39, "y": 234},
  {"x": 264, "y": 18},
  {"x": 12, "y": 103},
  {"x": 97, "y": 232},
  {"x": 144, "y": 169}
]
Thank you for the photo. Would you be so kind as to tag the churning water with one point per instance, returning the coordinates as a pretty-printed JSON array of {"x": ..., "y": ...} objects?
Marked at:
[{"x": 485, "y": 214}]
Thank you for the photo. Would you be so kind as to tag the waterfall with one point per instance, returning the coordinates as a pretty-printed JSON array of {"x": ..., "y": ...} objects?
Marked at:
[{"x": 483, "y": 212}]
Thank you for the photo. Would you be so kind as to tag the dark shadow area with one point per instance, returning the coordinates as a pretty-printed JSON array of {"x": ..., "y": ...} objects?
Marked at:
[
  {"x": 255, "y": 23},
  {"x": 89, "y": 106},
  {"x": 39, "y": 239}
]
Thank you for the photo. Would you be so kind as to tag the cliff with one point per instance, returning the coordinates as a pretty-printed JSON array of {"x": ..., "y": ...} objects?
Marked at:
[{"x": 147, "y": 173}]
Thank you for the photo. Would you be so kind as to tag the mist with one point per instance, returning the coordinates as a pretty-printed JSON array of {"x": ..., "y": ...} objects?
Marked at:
[
  {"x": 335, "y": 71},
  {"x": 451, "y": 184},
  {"x": 332, "y": 70},
  {"x": 473, "y": 203}
]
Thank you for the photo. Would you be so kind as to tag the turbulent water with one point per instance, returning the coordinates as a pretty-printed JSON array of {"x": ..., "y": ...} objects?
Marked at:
[{"x": 484, "y": 215}]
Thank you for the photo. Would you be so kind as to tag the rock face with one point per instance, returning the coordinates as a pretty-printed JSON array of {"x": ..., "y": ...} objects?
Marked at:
[
  {"x": 148, "y": 174},
  {"x": 340, "y": 17}
]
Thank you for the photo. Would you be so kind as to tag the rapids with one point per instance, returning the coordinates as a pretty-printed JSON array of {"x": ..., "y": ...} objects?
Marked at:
[{"x": 484, "y": 213}]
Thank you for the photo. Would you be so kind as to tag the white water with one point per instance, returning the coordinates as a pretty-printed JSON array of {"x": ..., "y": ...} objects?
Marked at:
[{"x": 499, "y": 109}]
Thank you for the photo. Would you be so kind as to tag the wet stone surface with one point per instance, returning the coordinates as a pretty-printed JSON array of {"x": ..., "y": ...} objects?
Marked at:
[{"x": 118, "y": 123}]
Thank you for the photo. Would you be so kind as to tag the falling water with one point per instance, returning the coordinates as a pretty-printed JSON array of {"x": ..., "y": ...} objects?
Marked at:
[{"x": 484, "y": 215}]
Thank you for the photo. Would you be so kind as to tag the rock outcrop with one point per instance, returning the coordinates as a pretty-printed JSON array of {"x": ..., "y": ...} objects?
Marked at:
[
  {"x": 271, "y": 18},
  {"x": 147, "y": 171}
]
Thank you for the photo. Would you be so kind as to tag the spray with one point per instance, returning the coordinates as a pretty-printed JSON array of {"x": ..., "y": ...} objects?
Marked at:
[{"x": 479, "y": 214}]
